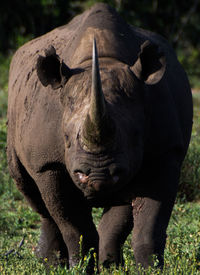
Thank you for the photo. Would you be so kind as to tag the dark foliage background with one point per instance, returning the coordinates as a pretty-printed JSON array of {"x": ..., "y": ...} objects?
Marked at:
[{"x": 178, "y": 21}]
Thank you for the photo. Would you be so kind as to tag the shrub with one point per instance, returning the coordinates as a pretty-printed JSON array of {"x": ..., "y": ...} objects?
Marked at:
[{"x": 189, "y": 188}]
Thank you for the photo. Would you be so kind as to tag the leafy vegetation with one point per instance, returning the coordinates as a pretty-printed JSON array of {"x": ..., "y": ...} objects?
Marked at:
[
  {"x": 190, "y": 177},
  {"x": 4, "y": 68},
  {"x": 177, "y": 21}
]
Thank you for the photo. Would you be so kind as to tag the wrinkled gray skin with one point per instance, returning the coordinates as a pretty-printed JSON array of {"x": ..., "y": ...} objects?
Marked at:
[{"x": 77, "y": 140}]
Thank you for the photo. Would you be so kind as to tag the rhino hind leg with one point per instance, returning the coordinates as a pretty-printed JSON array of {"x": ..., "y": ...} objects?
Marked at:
[
  {"x": 115, "y": 225},
  {"x": 51, "y": 243}
]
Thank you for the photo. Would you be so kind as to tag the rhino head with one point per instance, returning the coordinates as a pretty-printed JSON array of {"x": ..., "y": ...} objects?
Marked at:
[{"x": 104, "y": 116}]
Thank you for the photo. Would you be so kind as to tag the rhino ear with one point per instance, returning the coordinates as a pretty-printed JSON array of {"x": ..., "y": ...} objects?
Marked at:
[
  {"x": 51, "y": 70},
  {"x": 150, "y": 65}
]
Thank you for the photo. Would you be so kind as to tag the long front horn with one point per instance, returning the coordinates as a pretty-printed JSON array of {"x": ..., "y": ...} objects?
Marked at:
[
  {"x": 95, "y": 128},
  {"x": 97, "y": 105}
]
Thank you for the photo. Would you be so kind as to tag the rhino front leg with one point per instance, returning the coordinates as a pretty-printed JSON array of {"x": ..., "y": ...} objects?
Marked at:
[
  {"x": 51, "y": 244},
  {"x": 149, "y": 233},
  {"x": 115, "y": 225},
  {"x": 69, "y": 211},
  {"x": 152, "y": 211}
]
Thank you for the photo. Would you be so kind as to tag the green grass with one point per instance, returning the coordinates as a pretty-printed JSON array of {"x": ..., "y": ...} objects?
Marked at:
[
  {"x": 18, "y": 221},
  {"x": 182, "y": 254}
]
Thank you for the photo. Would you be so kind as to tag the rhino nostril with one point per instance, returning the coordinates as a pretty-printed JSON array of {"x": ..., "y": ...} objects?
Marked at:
[{"x": 83, "y": 178}]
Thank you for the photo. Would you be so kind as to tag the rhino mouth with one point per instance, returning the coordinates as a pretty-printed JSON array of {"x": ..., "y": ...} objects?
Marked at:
[
  {"x": 97, "y": 184},
  {"x": 111, "y": 197},
  {"x": 105, "y": 191}
]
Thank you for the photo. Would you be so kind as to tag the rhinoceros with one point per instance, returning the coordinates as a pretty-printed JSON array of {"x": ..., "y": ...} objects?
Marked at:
[{"x": 99, "y": 115}]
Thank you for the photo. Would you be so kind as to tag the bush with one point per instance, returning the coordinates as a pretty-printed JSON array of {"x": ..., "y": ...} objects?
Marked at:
[
  {"x": 3, "y": 164},
  {"x": 189, "y": 188},
  {"x": 190, "y": 176},
  {"x": 4, "y": 69}
]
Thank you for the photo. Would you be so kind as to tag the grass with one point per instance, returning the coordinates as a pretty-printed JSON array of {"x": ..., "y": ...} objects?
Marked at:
[
  {"x": 20, "y": 226},
  {"x": 18, "y": 221}
]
